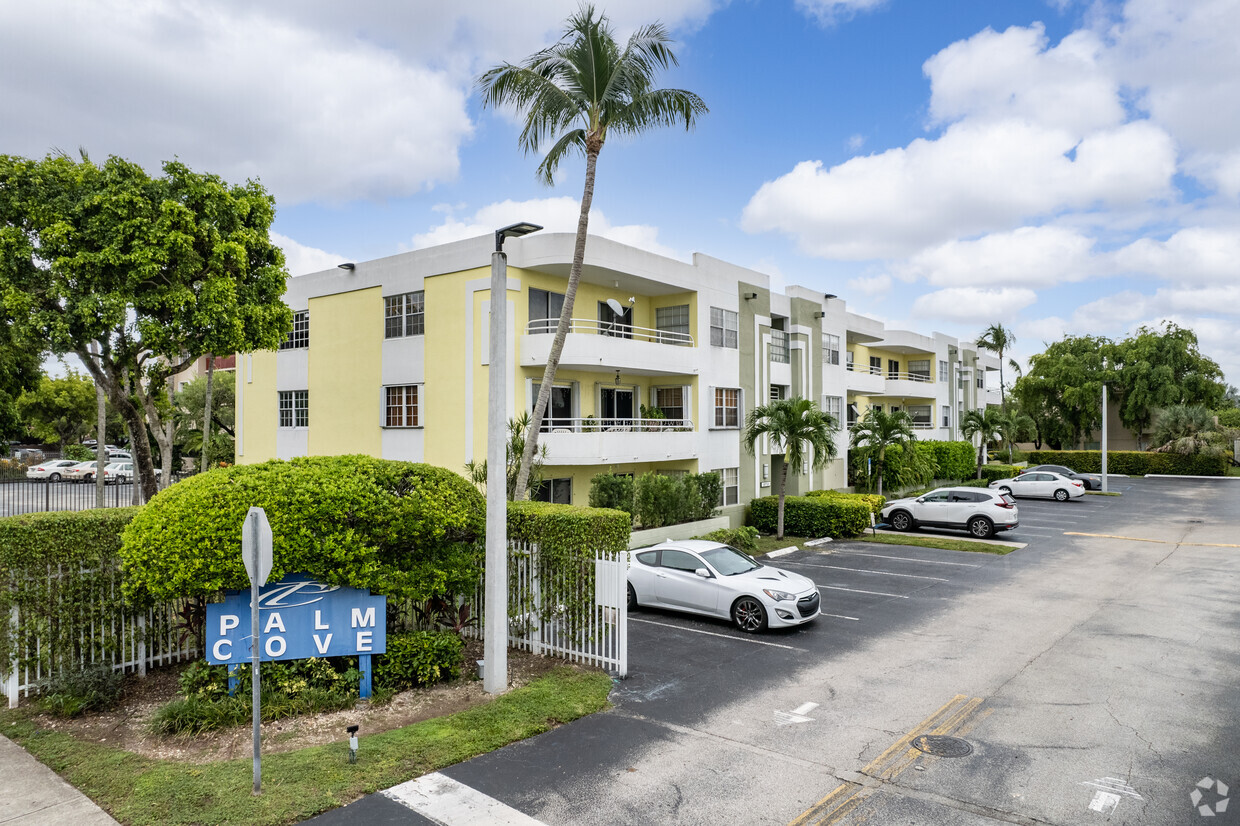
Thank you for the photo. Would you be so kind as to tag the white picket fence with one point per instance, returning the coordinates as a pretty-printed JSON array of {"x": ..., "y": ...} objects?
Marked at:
[
  {"x": 540, "y": 616},
  {"x": 126, "y": 639}
]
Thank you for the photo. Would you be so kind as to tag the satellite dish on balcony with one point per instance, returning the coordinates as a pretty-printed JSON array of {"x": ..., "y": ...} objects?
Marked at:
[{"x": 616, "y": 306}]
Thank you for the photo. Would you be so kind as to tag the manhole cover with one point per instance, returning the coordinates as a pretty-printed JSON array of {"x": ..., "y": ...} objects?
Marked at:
[{"x": 942, "y": 746}]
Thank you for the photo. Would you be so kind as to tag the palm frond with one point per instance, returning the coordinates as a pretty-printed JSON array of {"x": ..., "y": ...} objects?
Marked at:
[
  {"x": 659, "y": 107},
  {"x": 568, "y": 142}
]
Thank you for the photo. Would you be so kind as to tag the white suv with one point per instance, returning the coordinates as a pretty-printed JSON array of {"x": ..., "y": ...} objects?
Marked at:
[{"x": 979, "y": 511}]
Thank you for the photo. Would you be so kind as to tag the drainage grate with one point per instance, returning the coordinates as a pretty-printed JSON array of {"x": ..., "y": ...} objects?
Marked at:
[{"x": 942, "y": 746}]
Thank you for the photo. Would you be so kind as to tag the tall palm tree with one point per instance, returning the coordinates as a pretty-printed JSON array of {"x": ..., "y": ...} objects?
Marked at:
[
  {"x": 800, "y": 428},
  {"x": 573, "y": 95},
  {"x": 987, "y": 423},
  {"x": 878, "y": 431},
  {"x": 998, "y": 339},
  {"x": 1016, "y": 426}
]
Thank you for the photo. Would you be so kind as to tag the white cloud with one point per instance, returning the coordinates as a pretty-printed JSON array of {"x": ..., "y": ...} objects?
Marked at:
[
  {"x": 874, "y": 286},
  {"x": 828, "y": 12},
  {"x": 555, "y": 214},
  {"x": 1024, "y": 257},
  {"x": 1111, "y": 314},
  {"x": 973, "y": 304},
  {"x": 301, "y": 259},
  {"x": 1203, "y": 255}
]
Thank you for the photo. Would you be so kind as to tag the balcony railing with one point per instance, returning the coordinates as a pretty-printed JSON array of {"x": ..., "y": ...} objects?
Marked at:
[
  {"x": 590, "y": 424},
  {"x": 889, "y": 374},
  {"x": 916, "y": 425},
  {"x": 614, "y": 329}
]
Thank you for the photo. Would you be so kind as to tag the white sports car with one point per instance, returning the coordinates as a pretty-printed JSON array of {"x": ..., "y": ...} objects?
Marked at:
[{"x": 717, "y": 580}]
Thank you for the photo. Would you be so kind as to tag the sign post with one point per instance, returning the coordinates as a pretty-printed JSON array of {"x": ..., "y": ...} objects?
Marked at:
[{"x": 256, "y": 554}]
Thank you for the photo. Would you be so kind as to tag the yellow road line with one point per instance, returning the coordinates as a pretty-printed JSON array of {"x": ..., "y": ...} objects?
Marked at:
[
  {"x": 847, "y": 796},
  {"x": 1158, "y": 541},
  {"x": 910, "y": 756}
]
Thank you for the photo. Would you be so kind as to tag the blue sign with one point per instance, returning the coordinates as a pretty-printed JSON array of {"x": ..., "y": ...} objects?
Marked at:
[{"x": 297, "y": 618}]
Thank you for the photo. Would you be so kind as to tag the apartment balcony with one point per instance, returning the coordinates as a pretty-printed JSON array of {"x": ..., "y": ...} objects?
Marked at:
[
  {"x": 861, "y": 379},
  {"x": 909, "y": 385},
  {"x": 598, "y": 345},
  {"x": 591, "y": 441}
]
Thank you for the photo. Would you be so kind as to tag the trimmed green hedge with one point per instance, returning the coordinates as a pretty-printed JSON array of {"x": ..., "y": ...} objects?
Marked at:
[
  {"x": 814, "y": 516},
  {"x": 656, "y": 499},
  {"x": 418, "y": 658},
  {"x": 84, "y": 546},
  {"x": 872, "y": 500},
  {"x": 568, "y": 528},
  {"x": 992, "y": 472},
  {"x": 953, "y": 460},
  {"x": 1132, "y": 462},
  {"x": 401, "y": 529},
  {"x": 744, "y": 538}
]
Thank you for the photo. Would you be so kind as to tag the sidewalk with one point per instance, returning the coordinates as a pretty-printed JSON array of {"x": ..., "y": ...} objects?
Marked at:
[{"x": 31, "y": 794}]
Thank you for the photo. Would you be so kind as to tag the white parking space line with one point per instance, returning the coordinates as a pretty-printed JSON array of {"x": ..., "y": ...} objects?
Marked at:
[
  {"x": 715, "y": 634},
  {"x": 841, "y": 616},
  {"x": 867, "y": 571},
  {"x": 443, "y": 800},
  {"x": 859, "y": 591},
  {"x": 909, "y": 559}
]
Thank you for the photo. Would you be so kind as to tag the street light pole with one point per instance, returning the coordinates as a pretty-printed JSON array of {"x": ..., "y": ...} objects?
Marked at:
[
  {"x": 1104, "y": 436},
  {"x": 495, "y": 622}
]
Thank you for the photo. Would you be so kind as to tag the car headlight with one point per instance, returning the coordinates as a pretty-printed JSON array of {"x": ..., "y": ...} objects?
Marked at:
[{"x": 778, "y": 596}]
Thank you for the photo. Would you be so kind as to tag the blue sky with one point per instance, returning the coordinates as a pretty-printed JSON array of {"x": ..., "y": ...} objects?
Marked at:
[{"x": 1057, "y": 166}]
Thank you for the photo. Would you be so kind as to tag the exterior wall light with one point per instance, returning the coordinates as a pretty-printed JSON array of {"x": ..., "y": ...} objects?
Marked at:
[{"x": 348, "y": 265}]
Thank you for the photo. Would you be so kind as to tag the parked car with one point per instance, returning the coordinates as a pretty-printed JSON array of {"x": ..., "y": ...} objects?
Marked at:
[
  {"x": 717, "y": 580},
  {"x": 81, "y": 472},
  {"x": 979, "y": 511},
  {"x": 119, "y": 456},
  {"x": 1092, "y": 481},
  {"x": 53, "y": 471},
  {"x": 1041, "y": 483}
]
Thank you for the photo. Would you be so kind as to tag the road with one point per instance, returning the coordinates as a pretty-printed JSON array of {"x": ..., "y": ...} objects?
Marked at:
[{"x": 1091, "y": 673}]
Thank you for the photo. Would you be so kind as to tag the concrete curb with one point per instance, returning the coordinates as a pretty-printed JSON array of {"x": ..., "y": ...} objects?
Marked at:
[{"x": 1003, "y": 542}]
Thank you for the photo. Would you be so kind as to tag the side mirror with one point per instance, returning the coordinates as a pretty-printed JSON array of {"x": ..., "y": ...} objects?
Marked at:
[
  {"x": 921, "y": 500},
  {"x": 703, "y": 573}
]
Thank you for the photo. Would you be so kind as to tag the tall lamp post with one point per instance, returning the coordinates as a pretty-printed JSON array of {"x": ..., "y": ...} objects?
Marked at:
[
  {"x": 495, "y": 628},
  {"x": 1104, "y": 426}
]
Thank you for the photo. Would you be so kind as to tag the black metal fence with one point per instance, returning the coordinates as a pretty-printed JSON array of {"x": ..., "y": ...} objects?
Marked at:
[{"x": 21, "y": 495}]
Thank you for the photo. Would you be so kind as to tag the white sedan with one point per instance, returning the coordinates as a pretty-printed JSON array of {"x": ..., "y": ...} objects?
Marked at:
[
  {"x": 1041, "y": 483},
  {"x": 54, "y": 470},
  {"x": 717, "y": 580}
]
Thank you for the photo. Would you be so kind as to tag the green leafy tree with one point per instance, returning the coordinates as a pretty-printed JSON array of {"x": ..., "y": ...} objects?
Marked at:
[
  {"x": 1159, "y": 369},
  {"x": 998, "y": 339},
  {"x": 877, "y": 431},
  {"x": 573, "y": 95},
  {"x": 514, "y": 449},
  {"x": 154, "y": 271},
  {"x": 987, "y": 423},
  {"x": 59, "y": 410},
  {"x": 1064, "y": 385},
  {"x": 20, "y": 369},
  {"x": 191, "y": 406},
  {"x": 805, "y": 433}
]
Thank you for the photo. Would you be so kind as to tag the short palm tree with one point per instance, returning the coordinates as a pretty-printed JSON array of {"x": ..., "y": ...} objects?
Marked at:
[
  {"x": 1016, "y": 426},
  {"x": 573, "y": 95},
  {"x": 800, "y": 428},
  {"x": 1187, "y": 428},
  {"x": 877, "y": 431},
  {"x": 987, "y": 423},
  {"x": 998, "y": 339}
]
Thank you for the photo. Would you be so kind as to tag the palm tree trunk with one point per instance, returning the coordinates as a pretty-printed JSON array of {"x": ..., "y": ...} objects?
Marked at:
[
  {"x": 981, "y": 456},
  {"x": 882, "y": 454},
  {"x": 783, "y": 488},
  {"x": 206, "y": 416},
  {"x": 593, "y": 146},
  {"x": 1002, "y": 392}
]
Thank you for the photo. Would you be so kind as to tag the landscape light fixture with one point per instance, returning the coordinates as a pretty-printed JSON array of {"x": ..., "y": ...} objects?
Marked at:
[
  {"x": 348, "y": 265},
  {"x": 513, "y": 231},
  {"x": 352, "y": 730}
]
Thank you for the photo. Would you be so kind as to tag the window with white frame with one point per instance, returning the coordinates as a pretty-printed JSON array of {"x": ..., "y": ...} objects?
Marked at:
[
  {"x": 919, "y": 369},
  {"x": 942, "y": 370},
  {"x": 673, "y": 324},
  {"x": 876, "y": 365},
  {"x": 779, "y": 392},
  {"x": 947, "y": 416},
  {"x": 402, "y": 405},
  {"x": 723, "y": 328},
  {"x": 779, "y": 346},
  {"x": 727, "y": 407},
  {"x": 833, "y": 406},
  {"x": 299, "y": 336},
  {"x": 920, "y": 413},
  {"x": 981, "y": 382},
  {"x": 848, "y": 359},
  {"x": 404, "y": 315},
  {"x": 294, "y": 408},
  {"x": 730, "y": 485},
  {"x": 830, "y": 349},
  {"x": 545, "y": 310},
  {"x": 671, "y": 401}
]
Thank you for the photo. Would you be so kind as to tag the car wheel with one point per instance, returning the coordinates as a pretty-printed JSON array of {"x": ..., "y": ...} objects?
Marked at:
[
  {"x": 632, "y": 598},
  {"x": 902, "y": 521},
  {"x": 89, "y": 477},
  {"x": 55, "y": 477},
  {"x": 1061, "y": 495},
  {"x": 1005, "y": 489},
  {"x": 748, "y": 614},
  {"x": 981, "y": 527}
]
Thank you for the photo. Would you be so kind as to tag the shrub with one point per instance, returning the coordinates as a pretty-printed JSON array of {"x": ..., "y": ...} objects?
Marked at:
[
  {"x": 656, "y": 499},
  {"x": 78, "y": 453},
  {"x": 1228, "y": 418},
  {"x": 73, "y": 692},
  {"x": 975, "y": 483},
  {"x": 992, "y": 472},
  {"x": 872, "y": 500},
  {"x": 610, "y": 490},
  {"x": 401, "y": 529},
  {"x": 1133, "y": 462},
  {"x": 195, "y": 715},
  {"x": 952, "y": 460},
  {"x": 744, "y": 538},
  {"x": 811, "y": 516},
  {"x": 568, "y": 529},
  {"x": 419, "y": 658}
]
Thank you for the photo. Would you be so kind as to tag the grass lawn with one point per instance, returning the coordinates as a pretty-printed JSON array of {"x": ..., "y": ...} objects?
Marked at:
[
  {"x": 943, "y": 542},
  {"x": 1233, "y": 471},
  {"x": 296, "y": 785},
  {"x": 1100, "y": 493}
]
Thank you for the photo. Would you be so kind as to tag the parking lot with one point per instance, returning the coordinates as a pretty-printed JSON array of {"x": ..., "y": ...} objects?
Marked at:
[{"x": 1091, "y": 675}]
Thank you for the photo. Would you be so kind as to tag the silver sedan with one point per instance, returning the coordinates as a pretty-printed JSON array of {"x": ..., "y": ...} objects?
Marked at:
[{"x": 717, "y": 580}]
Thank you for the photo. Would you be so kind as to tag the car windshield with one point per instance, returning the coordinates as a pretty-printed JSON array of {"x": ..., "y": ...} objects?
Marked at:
[{"x": 729, "y": 561}]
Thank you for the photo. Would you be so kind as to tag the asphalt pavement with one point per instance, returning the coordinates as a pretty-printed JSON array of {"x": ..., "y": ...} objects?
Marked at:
[{"x": 1089, "y": 676}]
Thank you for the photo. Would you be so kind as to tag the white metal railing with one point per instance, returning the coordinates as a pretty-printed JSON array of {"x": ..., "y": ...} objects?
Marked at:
[
  {"x": 613, "y": 329},
  {"x": 916, "y": 425},
  {"x": 540, "y": 619},
  {"x": 590, "y": 424},
  {"x": 889, "y": 374}
]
